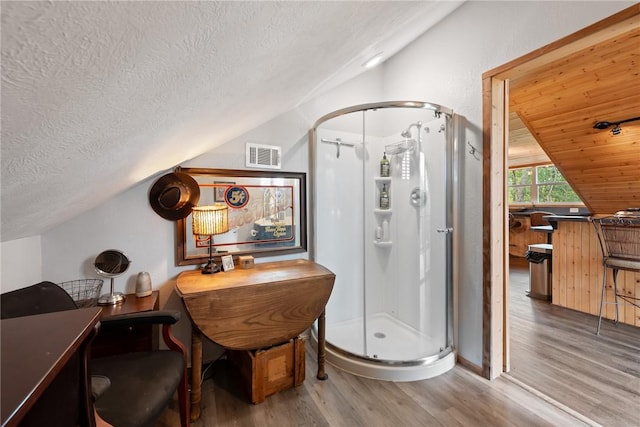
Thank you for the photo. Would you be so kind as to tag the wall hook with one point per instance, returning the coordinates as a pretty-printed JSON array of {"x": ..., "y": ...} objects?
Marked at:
[{"x": 473, "y": 150}]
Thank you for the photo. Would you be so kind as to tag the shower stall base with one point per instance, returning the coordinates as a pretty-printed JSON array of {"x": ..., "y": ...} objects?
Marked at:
[{"x": 394, "y": 350}]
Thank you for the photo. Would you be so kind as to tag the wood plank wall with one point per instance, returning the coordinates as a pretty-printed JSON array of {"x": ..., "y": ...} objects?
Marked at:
[
  {"x": 522, "y": 236},
  {"x": 577, "y": 274}
]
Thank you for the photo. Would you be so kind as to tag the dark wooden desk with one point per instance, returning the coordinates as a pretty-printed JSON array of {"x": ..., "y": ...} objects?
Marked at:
[
  {"x": 123, "y": 339},
  {"x": 132, "y": 304},
  {"x": 266, "y": 305},
  {"x": 34, "y": 351}
]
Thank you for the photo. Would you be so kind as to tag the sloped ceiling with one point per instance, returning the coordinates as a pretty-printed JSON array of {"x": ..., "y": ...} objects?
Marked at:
[
  {"x": 98, "y": 96},
  {"x": 560, "y": 101},
  {"x": 524, "y": 149}
]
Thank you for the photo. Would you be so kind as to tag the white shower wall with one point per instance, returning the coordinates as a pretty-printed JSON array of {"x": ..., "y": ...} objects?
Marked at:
[{"x": 338, "y": 227}]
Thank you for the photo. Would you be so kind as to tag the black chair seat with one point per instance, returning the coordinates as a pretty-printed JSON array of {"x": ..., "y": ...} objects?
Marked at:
[{"x": 129, "y": 401}]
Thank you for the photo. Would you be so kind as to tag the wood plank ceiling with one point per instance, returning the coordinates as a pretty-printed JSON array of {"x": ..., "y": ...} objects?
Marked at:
[
  {"x": 559, "y": 102},
  {"x": 524, "y": 149}
]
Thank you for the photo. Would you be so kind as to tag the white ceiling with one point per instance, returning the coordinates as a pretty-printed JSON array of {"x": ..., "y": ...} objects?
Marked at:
[{"x": 98, "y": 96}]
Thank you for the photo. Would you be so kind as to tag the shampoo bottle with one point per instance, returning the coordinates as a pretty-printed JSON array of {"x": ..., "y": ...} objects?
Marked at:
[
  {"x": 384, "y": 197},
  {"x": 385, "y": 167}
]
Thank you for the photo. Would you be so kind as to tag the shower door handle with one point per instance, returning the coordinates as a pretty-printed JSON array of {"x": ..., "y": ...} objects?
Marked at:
[{"x": 445, "y": 230}]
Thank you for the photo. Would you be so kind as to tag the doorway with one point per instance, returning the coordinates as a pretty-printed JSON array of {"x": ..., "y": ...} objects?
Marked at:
[{"x": 495, "y": 209}]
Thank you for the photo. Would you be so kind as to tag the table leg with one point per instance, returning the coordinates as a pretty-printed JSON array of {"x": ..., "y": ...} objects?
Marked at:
[
  {"x": 321, "y": 344},
  {"x": 196, "y": 372}
]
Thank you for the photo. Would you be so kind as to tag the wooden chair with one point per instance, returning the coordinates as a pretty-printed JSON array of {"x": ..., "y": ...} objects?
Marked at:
[
  {"x": 514, "y": 224},
  {"x": 619, "y": 239},
  {"x": 141, "y": 384},
  {"x": 536, "y": 218}
]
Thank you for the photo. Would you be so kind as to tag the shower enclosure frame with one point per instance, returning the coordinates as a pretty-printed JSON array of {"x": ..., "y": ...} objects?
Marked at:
[{"x": 391, "y": 369}]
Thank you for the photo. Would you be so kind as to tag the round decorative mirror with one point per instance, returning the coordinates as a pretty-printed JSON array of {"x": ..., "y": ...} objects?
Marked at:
[{"x": 111, "y": 263}]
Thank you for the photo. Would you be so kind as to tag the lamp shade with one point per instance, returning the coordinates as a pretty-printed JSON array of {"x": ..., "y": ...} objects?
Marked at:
[{"x": 210, "y": 220}]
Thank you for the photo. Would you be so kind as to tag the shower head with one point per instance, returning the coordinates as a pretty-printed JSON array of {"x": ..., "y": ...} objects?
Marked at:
[{"x": 407, "y": 132}]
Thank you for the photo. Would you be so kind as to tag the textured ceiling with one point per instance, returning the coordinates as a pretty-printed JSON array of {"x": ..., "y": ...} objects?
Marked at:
[{"x": 97, "y": 96}]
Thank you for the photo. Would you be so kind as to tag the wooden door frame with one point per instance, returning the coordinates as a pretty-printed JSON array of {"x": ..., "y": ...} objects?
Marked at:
[{"x": 495, "y": 245}]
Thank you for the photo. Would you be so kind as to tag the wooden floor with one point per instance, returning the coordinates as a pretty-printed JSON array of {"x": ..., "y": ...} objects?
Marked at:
[
  {"x": 457, "y": 398},
  {"x": 587, "y": 380},
  {"x": 556, "y": 351}
]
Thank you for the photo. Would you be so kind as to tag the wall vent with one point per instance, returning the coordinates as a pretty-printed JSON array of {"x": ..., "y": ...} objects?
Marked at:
[{"x": 263, "y": 156}]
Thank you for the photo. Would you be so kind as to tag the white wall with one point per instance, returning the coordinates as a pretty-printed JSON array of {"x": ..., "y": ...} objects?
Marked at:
[
  {"x": 21, "y": 263},
  {"x": 444, "y": 66}
]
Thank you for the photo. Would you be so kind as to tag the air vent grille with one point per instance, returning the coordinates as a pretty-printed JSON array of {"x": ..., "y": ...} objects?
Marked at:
[{"x": 263, "y": 156}]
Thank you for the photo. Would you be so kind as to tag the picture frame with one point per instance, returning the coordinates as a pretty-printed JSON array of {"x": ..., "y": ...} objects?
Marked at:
[
  {"x": 219, "y": 189},
  {"x": 227, "y": 262},
  {"x": 267, "y": 214}
]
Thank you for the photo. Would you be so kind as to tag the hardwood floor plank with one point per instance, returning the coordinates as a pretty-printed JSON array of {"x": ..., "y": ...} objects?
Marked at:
[
  {"x": 555, "y": 351},
  {"x": 335, "y": 407},
  {"x": 456, "y": 398}
]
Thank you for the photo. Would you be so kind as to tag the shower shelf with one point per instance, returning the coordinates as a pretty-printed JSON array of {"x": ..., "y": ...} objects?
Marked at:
[
  {"x": 382, "y": 181},
  {"x": 386, "y": 244}
]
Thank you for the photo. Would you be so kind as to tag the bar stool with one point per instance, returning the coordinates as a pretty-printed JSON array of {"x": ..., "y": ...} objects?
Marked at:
[
  {"x": 619, "y": 238},
  {"x": 538, "y": 223}
]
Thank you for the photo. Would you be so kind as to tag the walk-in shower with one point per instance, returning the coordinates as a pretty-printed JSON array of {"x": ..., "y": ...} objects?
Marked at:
[{"x": 388, "y": 239}]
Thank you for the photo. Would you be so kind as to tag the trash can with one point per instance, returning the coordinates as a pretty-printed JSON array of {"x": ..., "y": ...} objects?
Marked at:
[{"x": 539, "y": 257}]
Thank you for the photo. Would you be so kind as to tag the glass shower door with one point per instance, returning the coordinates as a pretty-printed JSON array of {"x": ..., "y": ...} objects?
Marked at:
[{"x": 405, "y": 271}]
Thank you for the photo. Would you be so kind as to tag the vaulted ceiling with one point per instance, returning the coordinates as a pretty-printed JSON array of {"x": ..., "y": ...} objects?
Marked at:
[
  {"x": 560, "y": 100},
  {"x": 524, "y": 149},
  {"x": 98, "y": 96}
]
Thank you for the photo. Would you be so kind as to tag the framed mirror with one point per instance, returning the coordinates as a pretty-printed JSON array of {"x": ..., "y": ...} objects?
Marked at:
[{"x": 266, "y": 214}]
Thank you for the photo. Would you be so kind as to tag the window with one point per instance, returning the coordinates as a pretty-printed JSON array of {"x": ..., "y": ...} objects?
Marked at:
[{"x": 540, "y": 185}]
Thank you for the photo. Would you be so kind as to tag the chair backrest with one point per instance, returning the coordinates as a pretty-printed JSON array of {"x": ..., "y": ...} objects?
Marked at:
[
  {"x": 64, "y": 399},
  {"x": 619, "y": 238},
  {"x": 536, "y": 218},
  {"x": 41, "y": 298}
]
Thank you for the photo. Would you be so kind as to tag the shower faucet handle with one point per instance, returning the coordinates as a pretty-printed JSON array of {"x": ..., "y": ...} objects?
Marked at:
[{"x": 445, "y": 230}]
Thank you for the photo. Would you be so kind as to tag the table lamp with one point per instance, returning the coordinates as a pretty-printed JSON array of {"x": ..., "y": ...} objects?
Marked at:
[{"x": 209, "y": 221}]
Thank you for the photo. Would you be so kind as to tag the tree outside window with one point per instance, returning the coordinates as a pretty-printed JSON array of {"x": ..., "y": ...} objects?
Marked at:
[
  {"x": 520, "y": 184},
  {"x": 540, "y": 185}
]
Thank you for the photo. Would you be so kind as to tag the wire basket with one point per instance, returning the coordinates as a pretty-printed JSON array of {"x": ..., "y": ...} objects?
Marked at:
[{"x": 85, "y": 292}]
